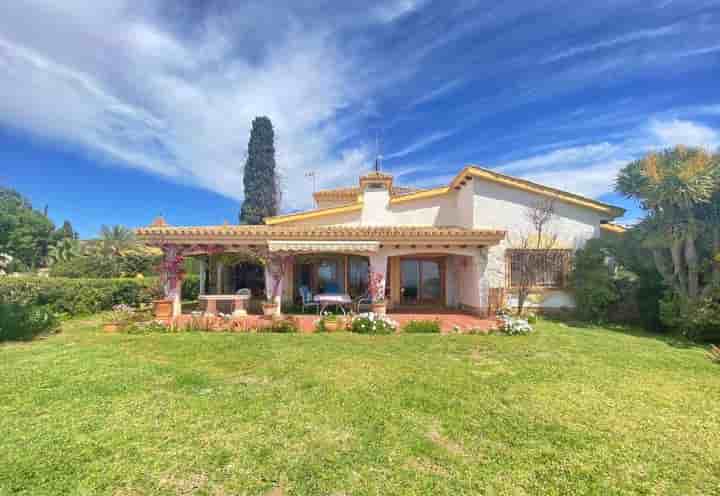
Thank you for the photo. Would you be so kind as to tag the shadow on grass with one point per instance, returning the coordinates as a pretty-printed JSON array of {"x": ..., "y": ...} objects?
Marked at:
[{"x": 671, "y": 339}]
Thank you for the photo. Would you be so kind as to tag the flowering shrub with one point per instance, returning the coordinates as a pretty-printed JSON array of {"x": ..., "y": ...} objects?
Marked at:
[
  {"x": 149, "y": 327},
  {"x": 514, "y": 326},
  {"x": 376, "y": 287},
  {"x": 121, "y": 314},
  {"x": 370, "y": 323}
]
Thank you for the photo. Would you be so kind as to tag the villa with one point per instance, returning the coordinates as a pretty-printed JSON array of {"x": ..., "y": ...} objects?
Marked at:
[{"x": 451, "y": 247}]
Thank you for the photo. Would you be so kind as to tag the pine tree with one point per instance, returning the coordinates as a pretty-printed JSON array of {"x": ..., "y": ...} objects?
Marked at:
[{"x": 262, "y": 195}]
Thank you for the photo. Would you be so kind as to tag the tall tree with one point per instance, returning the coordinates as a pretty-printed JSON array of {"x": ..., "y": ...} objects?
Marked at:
[
  {"x": 24, "y": 232},
  {"x": 680, "y": 191},
  {"x": 67, "y": 230},
  {"x": 262, "y": 192}
]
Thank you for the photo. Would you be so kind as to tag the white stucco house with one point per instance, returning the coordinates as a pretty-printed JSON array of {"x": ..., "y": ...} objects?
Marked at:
[{"x": 451, "y": 246}]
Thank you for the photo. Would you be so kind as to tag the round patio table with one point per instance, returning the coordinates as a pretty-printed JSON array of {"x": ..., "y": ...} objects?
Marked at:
[{"x": 338, "y": 300}]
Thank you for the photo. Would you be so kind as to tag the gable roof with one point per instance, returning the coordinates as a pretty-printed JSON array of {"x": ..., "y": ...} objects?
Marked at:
[
  {"x": 400, "y": 194},
  {"x": 473, "y": 171}
]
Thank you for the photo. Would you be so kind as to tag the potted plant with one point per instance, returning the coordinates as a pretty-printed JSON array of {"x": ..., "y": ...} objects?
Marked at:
[
  {"x": 121, "y": 316},
  {"x": 162, "y": 309},
  {"x": 376, "y": 287},
  {"x": 330, "y": 321}
]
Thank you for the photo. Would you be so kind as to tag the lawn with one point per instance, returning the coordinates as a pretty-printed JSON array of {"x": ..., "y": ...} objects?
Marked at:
[{"x": 568, "y": 410}]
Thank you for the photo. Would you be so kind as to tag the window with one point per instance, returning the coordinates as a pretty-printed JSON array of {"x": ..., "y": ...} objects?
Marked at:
[
  {"x": 329, "y": 275},
  {"x": 358, "y": 273},
  {"x": 541, "y": 268}
]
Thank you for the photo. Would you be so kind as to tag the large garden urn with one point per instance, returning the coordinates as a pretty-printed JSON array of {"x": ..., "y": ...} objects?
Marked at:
[
  {"x": 379, "y": 308},
  {"x": 163, "y": 309}
]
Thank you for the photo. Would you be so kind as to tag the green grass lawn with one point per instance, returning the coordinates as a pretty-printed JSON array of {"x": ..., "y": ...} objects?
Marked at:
[{"x": 565, "y": 411}]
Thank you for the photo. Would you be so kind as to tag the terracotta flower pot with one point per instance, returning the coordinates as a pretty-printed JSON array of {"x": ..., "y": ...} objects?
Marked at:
[
  {"x": 269, "y": 309},
  {"x": 379, "y": 308},
  {"x": 163, "y": 309},
  {"x": 331, "y": 325},
  {"x": 111, "y": 327}
]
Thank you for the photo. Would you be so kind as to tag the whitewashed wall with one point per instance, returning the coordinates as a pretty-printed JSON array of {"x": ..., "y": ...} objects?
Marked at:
[
  {"x": 479, "y": 204},
  {"x": 501, "y": 207}
]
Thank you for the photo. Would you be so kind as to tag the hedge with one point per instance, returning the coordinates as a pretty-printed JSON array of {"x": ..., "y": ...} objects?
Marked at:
[{"x": 77, "y": 296}]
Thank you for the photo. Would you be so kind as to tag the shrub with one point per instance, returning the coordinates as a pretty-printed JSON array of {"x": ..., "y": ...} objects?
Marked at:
[
  {"x": 24, "y": 322},
  {"x": 513, "y": 326},
  {"x": 77, "y": 296},
  {"x": 370, "y": 323},
  {"x": 190, "y": 287},
  {"x": 592, "y": 283},
  {"x": 149, "y": 327},
  {"x": 104, "y": 266},
  {"x": 422, "y": 326},
  {"x": 287, "y": 325},
  {"x": 705, "y": 319}
]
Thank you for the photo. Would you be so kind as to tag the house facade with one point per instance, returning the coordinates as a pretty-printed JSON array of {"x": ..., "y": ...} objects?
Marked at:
[{"x": 455, "y": 246}]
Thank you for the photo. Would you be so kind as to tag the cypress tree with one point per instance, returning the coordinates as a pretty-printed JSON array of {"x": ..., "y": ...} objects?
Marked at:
[{"x": 262, "y": 196}]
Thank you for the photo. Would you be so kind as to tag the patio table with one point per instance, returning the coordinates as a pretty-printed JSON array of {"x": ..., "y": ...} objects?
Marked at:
[{"x": 338, "y": 300}]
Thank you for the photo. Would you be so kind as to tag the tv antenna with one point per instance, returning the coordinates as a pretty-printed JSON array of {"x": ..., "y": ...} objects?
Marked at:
[
  {"x": 378, "y": 156},
  {"x": 312, "y": 175}
]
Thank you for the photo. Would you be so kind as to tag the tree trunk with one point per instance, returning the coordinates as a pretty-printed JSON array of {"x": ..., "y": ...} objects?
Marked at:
[
  {"x": 679, "y": 270},
  {"x": 716, "y": 252},
  {"x": 693, "y": 274}
]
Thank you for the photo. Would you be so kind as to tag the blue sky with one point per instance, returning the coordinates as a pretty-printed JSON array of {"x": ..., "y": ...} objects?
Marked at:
[{"x": 113, "y": 112}]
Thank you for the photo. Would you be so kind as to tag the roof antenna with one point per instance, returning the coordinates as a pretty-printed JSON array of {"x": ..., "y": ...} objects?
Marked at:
[{"x": 312, "y": 174}]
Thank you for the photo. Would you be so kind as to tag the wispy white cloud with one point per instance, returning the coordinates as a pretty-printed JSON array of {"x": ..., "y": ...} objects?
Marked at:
[
  {"x": 683, "y": 132},
  {"x": 591, "y": 169},
  {"x": 592, "y": 181},
  {"x": 573, "y": 155},
  {"x": 436, "y": 93},
  {"x": 183, "y": 108},
  {"x": 393, "y": 10},
  {"x": 697, "y": 51},
  {"x": 642, "y": 34},
  {"x": 421, "y": 143}
]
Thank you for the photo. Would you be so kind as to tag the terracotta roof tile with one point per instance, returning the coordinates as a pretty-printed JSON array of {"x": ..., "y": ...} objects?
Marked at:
[{"x": 398, "y": 234}]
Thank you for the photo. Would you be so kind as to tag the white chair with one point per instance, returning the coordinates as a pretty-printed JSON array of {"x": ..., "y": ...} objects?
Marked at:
[{"x": 307, "y": 299}]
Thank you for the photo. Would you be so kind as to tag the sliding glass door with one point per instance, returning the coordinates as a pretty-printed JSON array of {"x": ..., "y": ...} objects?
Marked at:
[{"x": 421, "y": 281}]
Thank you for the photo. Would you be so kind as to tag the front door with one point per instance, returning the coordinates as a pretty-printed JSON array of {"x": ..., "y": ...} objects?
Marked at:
[{"x": 421, "y": 281}]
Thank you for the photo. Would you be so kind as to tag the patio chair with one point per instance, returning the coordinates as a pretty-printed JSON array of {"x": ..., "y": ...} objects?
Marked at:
[
  {"x": 331, "y": 287},
  {"x": 307, "y": 299},
  {"x": 363, "y": 300}
]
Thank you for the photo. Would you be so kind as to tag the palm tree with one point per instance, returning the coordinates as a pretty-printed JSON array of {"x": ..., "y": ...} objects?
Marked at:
[
  {"x": 116, "y": 239},
  {"x": 677, "y": 188}
]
